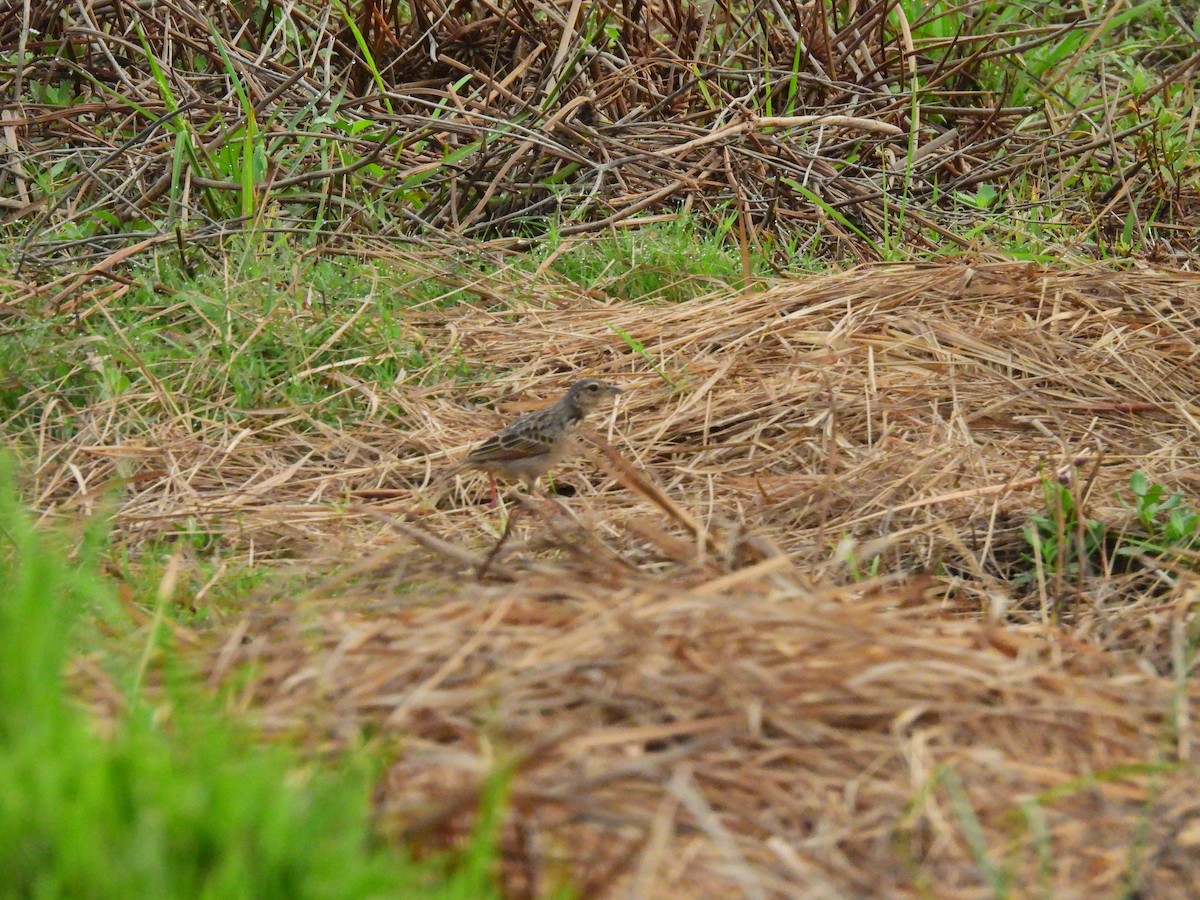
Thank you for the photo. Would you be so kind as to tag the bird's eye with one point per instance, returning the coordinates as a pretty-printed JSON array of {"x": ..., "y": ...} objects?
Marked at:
[{"x": 593, "y": 388}]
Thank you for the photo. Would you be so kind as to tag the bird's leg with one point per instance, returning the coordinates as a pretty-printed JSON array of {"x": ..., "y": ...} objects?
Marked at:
[{"x": 492, "y": 483}]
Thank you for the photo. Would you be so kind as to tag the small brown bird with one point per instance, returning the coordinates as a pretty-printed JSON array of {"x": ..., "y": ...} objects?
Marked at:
[{"x": 536, "y": 441}]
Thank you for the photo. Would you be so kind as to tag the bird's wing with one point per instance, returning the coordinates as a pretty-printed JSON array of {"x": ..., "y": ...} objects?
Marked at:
[{"x": 520, "y": 440}]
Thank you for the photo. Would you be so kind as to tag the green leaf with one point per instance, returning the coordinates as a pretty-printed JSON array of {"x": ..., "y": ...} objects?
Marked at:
[
  {"x": 985, "y": 196},
  {"x": 1138, "y": 483}
]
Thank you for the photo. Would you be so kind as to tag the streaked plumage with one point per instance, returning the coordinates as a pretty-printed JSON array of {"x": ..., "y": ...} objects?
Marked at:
[{"x": 533, "y": 443}]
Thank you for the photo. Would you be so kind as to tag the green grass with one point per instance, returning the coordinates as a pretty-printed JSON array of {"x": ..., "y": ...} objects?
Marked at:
[
  {"x": 177, "y": 801},
  {"x": 210, "y": 582},
  {"x": 276, "y": 330},
  {"x": 276, "y": 334},
  {"x": 662, "y": 261}
]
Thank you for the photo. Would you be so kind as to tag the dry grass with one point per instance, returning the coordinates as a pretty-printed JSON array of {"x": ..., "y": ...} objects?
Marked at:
[
  {"x": 785, "y": 636},
  {"x": 705, "y": 692}
]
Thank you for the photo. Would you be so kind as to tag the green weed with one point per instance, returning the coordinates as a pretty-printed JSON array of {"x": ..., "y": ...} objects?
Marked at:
[
  {"x": 640, "y": 349},
  {"x": 1169, "y": 523},
  {"x": 1063, "y": 542}
]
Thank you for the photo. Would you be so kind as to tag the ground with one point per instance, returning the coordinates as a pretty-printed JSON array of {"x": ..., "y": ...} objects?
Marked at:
[
  {"x": 879, "y": 581},
  {"x": 787, "y": 630}
]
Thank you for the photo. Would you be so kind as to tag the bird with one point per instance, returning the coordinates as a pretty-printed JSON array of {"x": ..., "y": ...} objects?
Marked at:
[{"x": 533, "y": 443}]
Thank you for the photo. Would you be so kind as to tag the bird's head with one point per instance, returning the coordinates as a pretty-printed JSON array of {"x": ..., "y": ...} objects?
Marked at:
[{"x": 590, "y": 393}]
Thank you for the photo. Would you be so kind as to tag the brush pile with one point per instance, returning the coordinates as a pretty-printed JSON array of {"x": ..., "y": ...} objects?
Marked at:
[
  {"x": 814, "y": 128},
  {"x": 789, "y": 634}
]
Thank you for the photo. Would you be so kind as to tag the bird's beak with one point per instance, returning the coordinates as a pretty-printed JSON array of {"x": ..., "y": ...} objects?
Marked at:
[{"x": 613, "y": 389}]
